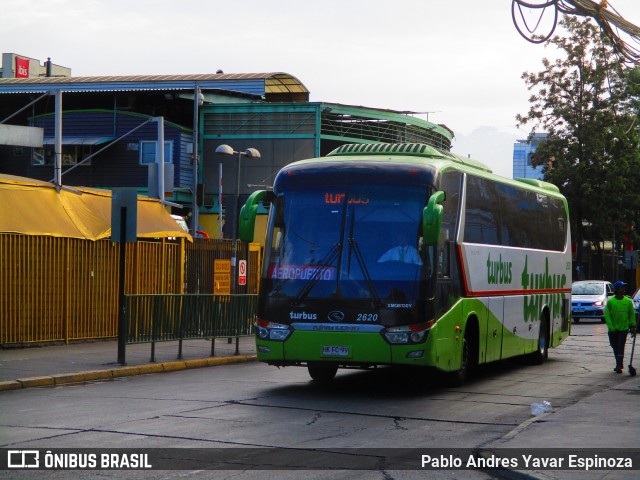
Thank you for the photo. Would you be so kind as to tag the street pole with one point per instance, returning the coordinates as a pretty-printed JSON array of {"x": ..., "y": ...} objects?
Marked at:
[
  {"x": 160, "y": 158},
  {"x": 198, "y": 100},
  {"x": 220, "y": 200},
  {"x": 57, "y": 169},
  {"x": 250, "y": 153},
  {"x": 236, "y": 219}
]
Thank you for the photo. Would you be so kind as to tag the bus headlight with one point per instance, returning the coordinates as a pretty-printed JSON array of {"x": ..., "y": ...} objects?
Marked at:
[
  {"x": 417, "y": 337},
  {"x": 272, "y": 331},
  {"x": 408, "y": 334},
  {"x": 397, "y": 337},
  {"x": 279, "y": 334}
]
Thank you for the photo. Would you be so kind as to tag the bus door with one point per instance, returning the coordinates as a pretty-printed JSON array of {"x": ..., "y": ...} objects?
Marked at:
[{"x": 494, "y": 328}]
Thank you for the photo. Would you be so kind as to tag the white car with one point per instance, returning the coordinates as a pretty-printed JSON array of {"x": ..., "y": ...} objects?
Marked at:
[
  {"x": 588, "y": 299},
  {"x": 636, "y": 302},
  {"x": 181, "y": 221}
]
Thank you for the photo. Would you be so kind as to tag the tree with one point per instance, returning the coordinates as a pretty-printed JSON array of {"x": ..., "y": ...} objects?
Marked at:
[{"x": 588, "y": 104}]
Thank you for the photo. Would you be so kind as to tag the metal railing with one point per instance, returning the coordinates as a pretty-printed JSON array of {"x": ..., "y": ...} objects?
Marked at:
[{"x": 157, "y": 318}]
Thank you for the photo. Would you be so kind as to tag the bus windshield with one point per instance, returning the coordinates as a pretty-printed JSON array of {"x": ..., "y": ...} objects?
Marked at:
[{"x": 362, "y": 241}]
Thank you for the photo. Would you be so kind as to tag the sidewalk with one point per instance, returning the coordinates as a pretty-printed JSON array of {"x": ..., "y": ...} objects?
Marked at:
[
  {"x": 98, "y": 360},
  {"x": 605, "y": 420}
]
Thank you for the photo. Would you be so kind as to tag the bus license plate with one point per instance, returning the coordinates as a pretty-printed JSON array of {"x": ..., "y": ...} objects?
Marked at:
[{"x": 335, "y": 351}]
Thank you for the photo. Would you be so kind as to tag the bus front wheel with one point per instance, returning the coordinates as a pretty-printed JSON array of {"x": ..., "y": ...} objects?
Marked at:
[
  {"x": 468, "y": 358},
  {"x": 322, "y": 372}
]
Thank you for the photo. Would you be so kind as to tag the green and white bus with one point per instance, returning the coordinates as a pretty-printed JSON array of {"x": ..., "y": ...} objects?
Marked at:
[{"x": 491, "y": 279}]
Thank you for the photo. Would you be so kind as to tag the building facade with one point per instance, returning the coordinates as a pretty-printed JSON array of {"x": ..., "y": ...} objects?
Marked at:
[
  {"x": 523, "y": 151},
  {"x": 20, "y": 66}
]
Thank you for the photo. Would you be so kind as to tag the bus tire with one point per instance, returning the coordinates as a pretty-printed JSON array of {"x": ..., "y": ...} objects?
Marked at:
[
  {"x": 322, "y": 372},
  {"x": 542, "y": 352},
  {"x": 468, "y": 356}
]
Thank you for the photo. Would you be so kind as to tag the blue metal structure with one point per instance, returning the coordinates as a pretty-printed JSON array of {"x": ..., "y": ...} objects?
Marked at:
[{"x": 119, "y": 165}]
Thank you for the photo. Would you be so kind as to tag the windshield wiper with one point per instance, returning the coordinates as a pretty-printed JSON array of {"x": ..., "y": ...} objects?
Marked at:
[
  {"x": 354, "y": 247},
  {"x": 325, "y": 263}
]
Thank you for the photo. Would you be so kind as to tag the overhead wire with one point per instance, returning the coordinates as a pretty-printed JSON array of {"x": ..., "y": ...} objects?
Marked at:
[
  {"x": 533, "y": 38},
  {"x": 624, "y": 35}
]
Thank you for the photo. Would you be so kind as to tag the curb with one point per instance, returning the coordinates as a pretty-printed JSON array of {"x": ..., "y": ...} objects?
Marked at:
[
  {"x": 119, "y": 372},
  {"x": 505, "y": 473}
]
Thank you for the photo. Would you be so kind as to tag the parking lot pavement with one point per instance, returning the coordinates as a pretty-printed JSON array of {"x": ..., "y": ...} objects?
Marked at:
[{"x": 608, "y": 419}]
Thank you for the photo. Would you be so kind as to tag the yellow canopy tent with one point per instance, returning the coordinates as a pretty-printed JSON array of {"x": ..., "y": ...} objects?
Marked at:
[{"x": 34, "y": 207}]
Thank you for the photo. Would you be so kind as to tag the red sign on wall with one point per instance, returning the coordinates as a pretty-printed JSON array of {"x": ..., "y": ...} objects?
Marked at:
[
  {"x": 242, "y": 272},
  {"x": 22, "y": 67}
]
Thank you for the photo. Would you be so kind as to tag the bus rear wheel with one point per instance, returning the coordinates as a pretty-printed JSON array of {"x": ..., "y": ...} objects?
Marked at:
[
  {"x": 321, "y": 372},
  {"x": 542, "y": 352}
]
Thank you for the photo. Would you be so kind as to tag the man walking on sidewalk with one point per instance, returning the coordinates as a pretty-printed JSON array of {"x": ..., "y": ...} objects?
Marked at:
[{"x": 621, "y": 318}]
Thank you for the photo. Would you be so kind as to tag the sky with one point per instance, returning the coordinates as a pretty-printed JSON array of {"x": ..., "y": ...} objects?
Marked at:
[{"x": 457, "y": 62}]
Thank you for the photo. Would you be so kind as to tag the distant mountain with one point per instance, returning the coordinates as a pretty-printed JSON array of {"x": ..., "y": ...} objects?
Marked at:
[{"x": 490, "y": 145}]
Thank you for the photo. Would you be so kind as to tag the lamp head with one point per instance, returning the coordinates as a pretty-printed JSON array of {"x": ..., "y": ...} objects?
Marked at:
[
  {"x": 252, "y": 153},
  {"x": 199, "y": 97},
  {"x": 225, "y": 150}
]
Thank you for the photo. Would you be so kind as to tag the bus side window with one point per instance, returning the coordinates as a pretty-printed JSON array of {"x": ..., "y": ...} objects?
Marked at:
[{"x": 444, "y": 246}]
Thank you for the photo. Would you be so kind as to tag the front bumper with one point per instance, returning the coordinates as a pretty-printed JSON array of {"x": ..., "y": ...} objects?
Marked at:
[{"x": 587, "y": 312}]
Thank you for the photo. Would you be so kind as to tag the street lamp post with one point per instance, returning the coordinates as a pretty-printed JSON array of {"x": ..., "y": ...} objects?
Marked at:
[
  {"x": 249, "y": 153},
  {"x": 198, "y": 100}
]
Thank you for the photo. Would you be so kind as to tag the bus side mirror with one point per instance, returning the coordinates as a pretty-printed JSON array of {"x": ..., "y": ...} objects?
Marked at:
[
  {"x": 248, "y": 212},
  {"x": 432, "y": 218}
]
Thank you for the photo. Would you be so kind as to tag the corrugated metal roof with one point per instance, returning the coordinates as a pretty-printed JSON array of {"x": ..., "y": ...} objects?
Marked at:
[
  {"x": 79, "y": 140},
  {"x": 254, "y": 83}
]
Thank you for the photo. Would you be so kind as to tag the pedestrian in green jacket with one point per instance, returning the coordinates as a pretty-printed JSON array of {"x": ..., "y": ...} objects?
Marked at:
[{"x": 621, "y": 318}]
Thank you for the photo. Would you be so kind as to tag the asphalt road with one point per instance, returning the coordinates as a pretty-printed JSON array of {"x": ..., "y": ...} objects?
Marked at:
[{"x": 255, "y": 405}]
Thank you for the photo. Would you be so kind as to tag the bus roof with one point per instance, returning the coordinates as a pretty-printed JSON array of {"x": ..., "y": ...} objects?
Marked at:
[
  {"x": 410, "y": 149},
  {"x": 427, "y": 151},
  {"x": 437, "y": 157}
]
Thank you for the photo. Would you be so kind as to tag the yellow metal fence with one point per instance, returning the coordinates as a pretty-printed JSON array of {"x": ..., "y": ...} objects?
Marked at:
[
  {"x": 62, "y": 289},
  {"x": 201, "y": 255}
]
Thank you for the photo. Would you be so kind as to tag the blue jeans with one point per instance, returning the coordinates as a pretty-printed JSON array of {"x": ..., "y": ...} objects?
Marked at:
[{"x": 617, "y": 340}]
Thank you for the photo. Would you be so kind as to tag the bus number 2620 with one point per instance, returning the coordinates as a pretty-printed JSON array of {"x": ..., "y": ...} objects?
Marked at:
[{"x": 367, "y": 317}]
